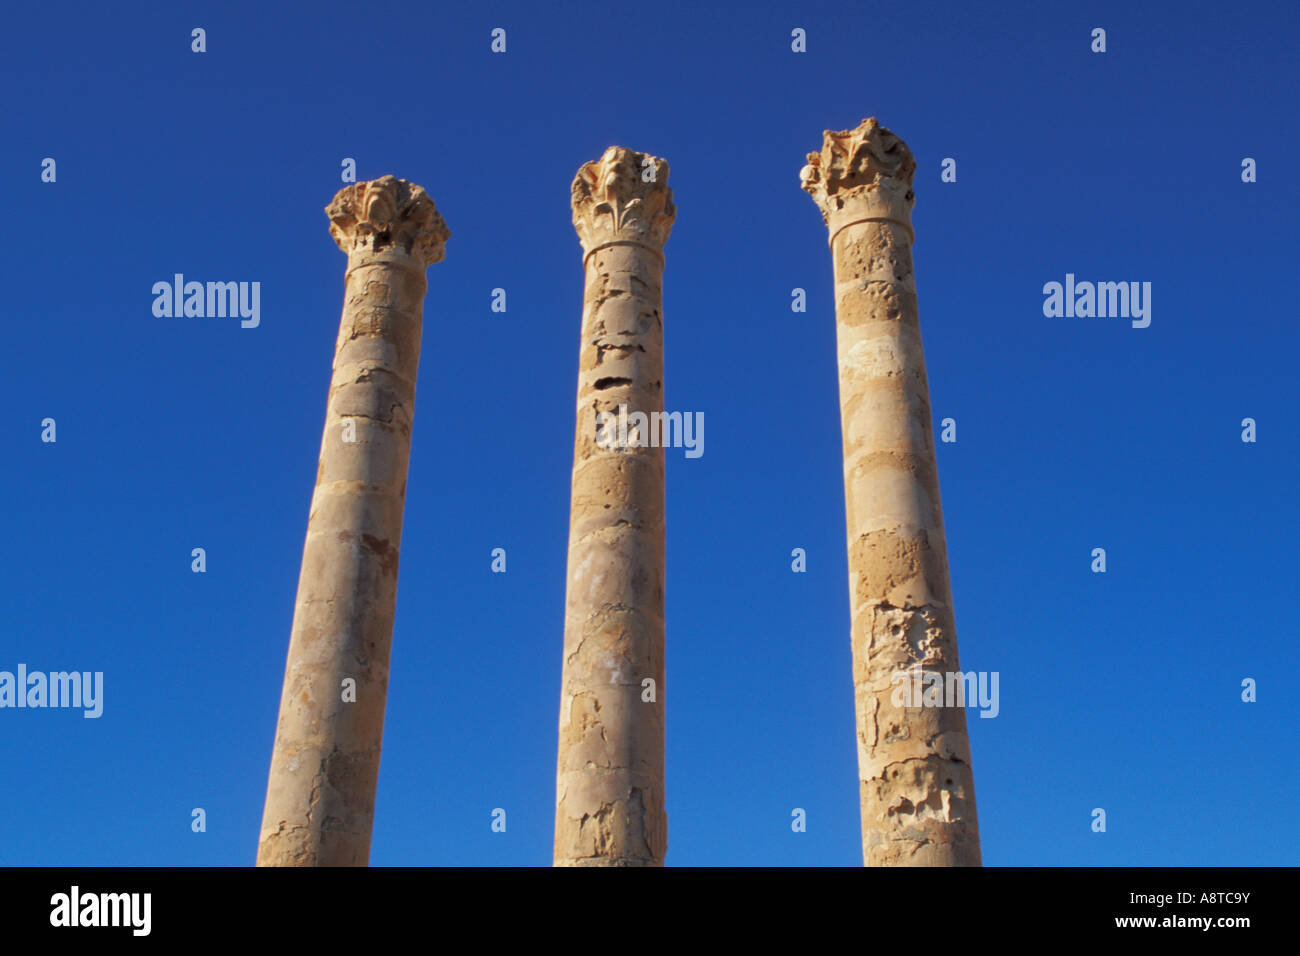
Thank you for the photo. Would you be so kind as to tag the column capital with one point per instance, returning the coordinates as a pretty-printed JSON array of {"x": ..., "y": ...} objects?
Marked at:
[
  {"x": 861, "y": 175},
  {"x": 623, "y": 198},
  {"x": 386, "y": 217}
]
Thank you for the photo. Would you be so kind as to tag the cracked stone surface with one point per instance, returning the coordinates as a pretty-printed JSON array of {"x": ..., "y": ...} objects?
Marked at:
[
  {"x": 325, "y": 764},
  {"x": 916, "y": 786},
  {"x": 609, "y": 807}
]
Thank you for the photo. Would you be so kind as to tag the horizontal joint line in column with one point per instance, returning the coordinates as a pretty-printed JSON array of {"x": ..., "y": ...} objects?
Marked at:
[
  {"x": 622, "y": 242},
  {"x": 410, "y": 267},
  {"x": 911, "y": 234}
]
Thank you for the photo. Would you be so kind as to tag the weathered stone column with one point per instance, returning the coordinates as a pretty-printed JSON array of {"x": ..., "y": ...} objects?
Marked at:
[
  {"x": 917, "y": 791},
  {"x": 609, "y": 807},
  {"x": 321, "y": 795}
]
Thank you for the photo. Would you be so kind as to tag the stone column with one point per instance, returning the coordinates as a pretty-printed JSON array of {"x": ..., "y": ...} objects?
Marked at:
[
  {"x": 321, "y": 795},
  {"x": 914, "y": 766},
  {"x": 609, "y": 807}
]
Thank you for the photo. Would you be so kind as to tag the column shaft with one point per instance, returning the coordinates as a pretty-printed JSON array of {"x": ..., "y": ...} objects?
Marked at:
[
  {"x": 325, "y": 765},
  {"x": 917, "y": 790},
  {"x": 610, "y": 774}
]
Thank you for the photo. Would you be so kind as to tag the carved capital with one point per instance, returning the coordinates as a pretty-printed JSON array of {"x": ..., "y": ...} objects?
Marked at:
[
  {"x": 861, "y": 175},
  {"x": 388, "y": 215},
  {"x": 623, "y": 197}
]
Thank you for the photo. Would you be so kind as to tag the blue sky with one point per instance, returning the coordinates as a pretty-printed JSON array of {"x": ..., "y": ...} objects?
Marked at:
[{"x": 1119, "y": 690}]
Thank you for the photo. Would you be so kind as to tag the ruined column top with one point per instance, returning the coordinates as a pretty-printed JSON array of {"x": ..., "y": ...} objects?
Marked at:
[
  {"x": 861, "y": 175},
  {"x": 387, "y": 219},
  {"x": 623, "y": 198}
]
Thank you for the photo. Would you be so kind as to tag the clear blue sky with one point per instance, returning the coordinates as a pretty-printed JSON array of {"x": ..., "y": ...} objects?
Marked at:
[{"x": 1118, "y": 690}]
